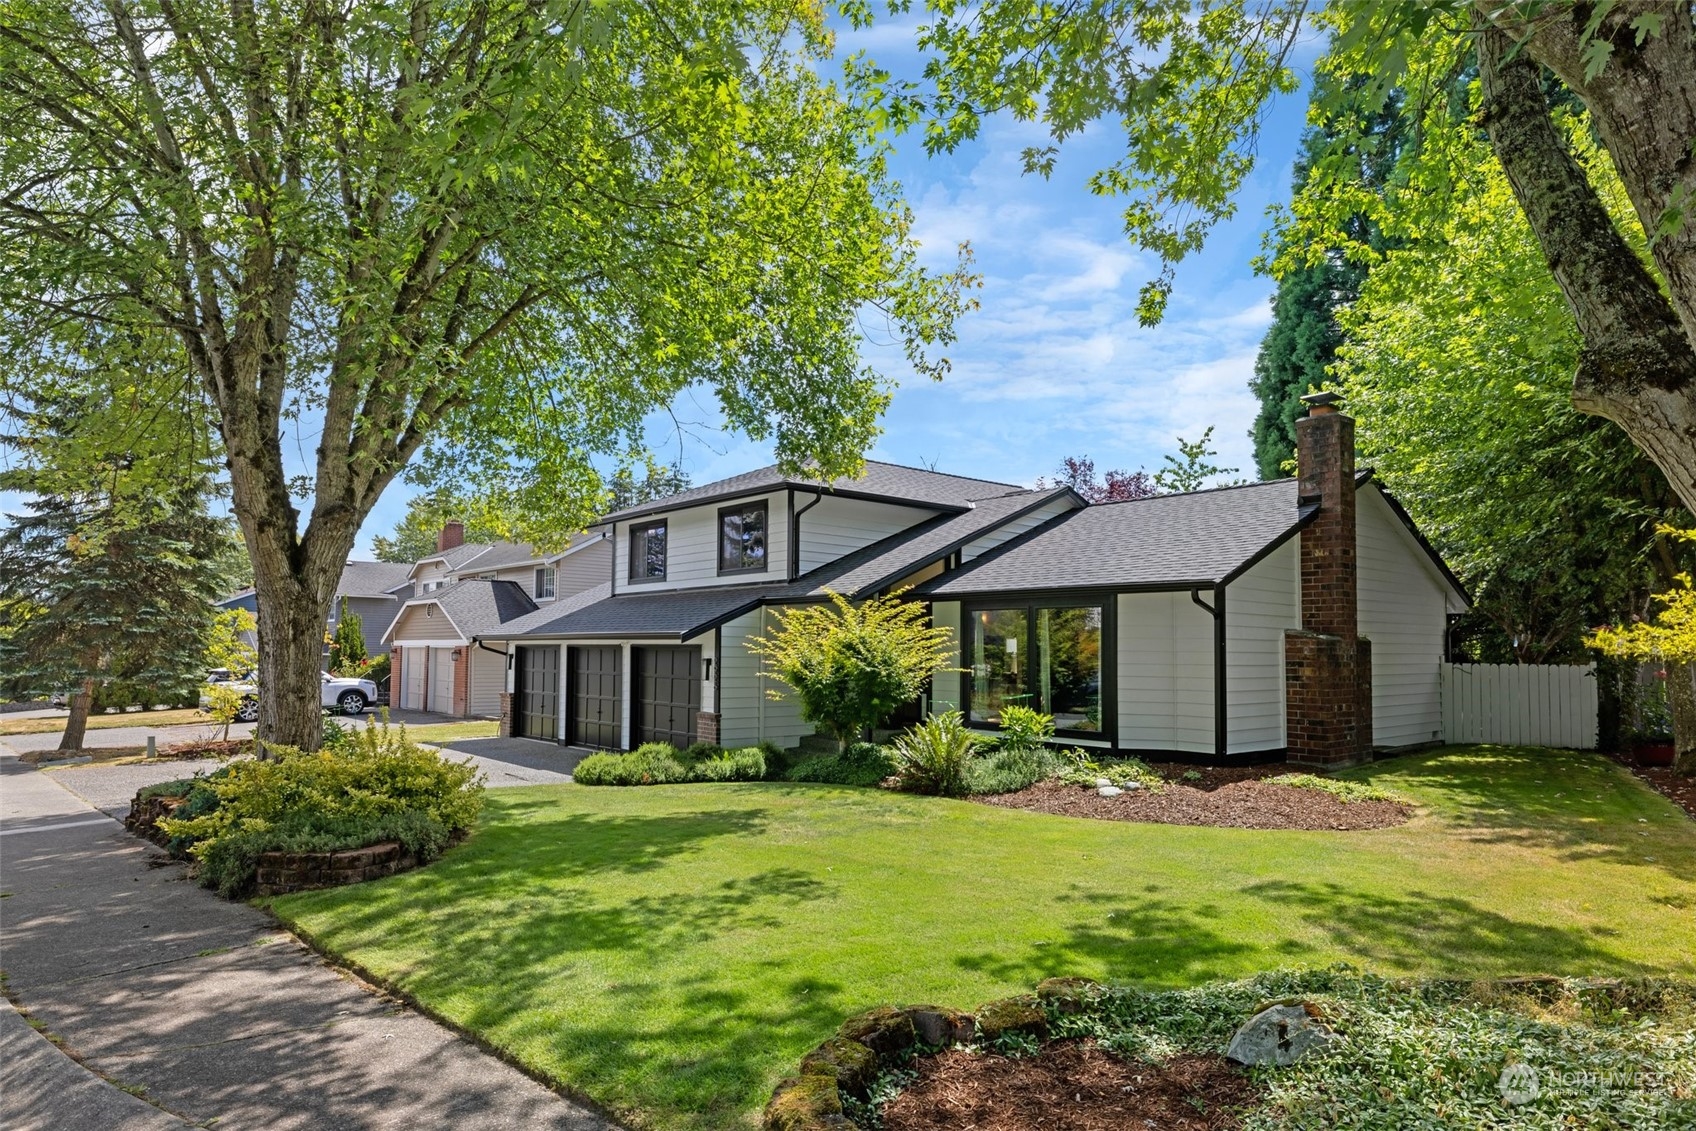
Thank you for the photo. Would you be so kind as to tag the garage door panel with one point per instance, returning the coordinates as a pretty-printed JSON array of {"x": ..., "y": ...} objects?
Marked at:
[
  {"x": 538, "y": 693},
  {"x": 441, "y": 681},
  {"x": 597, "y": 696},
  {"x": 412, "y": 666},
  {"x": 668, "y": 694}
]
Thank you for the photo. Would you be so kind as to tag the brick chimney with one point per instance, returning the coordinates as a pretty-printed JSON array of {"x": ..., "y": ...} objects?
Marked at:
[
  {"x": 453, "y": 534},
  {"x": 1327, "y": 666}
]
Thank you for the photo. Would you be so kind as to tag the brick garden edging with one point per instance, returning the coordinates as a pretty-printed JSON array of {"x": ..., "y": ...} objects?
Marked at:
[{"x": 879, "y": 1039}]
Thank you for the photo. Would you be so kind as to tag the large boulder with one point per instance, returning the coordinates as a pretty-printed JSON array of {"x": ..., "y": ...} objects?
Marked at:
[
  {"x": 885, "y": 1030},
  {"x": 1023, "y": 1014},
  {"x": 806, "y": 1103},
  {"x": 941, "y": 1027},
  {"x": 852, "y": 1065},
  {"x": 1281, "y": 1034}
]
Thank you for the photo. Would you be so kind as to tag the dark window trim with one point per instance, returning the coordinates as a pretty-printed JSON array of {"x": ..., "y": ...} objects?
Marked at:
[
  {"x": 764, "y": 507},
  {"x": 641, "y": 530},
  {"x": 553, "y": 583},
  {"x": 1030, "y": 603}
]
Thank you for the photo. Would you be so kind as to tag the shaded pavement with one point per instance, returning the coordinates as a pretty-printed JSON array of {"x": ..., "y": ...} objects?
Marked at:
[{"x": 204, "y": 1008}]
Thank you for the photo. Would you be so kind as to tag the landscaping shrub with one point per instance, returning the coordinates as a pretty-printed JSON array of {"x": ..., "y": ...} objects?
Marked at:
[
  {"x": 658, "y": 763},
  {"x": 1024, "y": 727},
  {"x": 380, "y": 787},
  {"x": 1336, "y": 787},
  {"x": 863, "y": 763},
  {"x": 178, "y": 788},
  {"x": 933, "y": 755},
  {"x": 1012, "y": 769},
  {"x": 1082, "y": 770}
]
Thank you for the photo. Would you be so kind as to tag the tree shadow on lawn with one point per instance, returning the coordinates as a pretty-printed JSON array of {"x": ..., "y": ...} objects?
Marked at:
[
  {"x": 1578, "y": 804},
  {"x": 1149, "y": 939}
]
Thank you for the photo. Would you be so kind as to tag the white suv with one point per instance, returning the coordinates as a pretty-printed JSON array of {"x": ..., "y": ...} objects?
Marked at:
[{"x": 349, "y": 696}]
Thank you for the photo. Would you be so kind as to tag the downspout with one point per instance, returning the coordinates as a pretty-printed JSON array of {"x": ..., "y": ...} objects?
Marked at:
[
  {"x": 795, "y": 531},
  {"x": 1221, "y": 729}
]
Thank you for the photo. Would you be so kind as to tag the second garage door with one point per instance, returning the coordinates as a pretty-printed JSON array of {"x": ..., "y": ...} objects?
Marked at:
[
  {"x": 441, "y": 681},
  {"x": 597, "y": 697},
  {"x": 668, "y": 695}
]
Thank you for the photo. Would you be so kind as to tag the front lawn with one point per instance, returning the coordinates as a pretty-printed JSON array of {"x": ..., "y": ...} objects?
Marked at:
[
  {"x": 443, "y": 733},
  {"x": 669, "y": 951},
  {"x": 53, "y": 724}
]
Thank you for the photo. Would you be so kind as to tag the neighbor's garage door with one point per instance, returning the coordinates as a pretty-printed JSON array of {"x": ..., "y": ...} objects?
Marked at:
[
  {"x": 441, "y": 681},
  {"x": 597, "y": 697},
  {"x": 668, "y": 695},
  {"x": 488, "y": 680},
  {"x": 538, "y": 693},
  {"x": 412, "y": 662}
]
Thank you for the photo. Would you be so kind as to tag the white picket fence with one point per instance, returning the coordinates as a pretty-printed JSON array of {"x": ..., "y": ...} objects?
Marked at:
[{"x": 1521, "y": 704}]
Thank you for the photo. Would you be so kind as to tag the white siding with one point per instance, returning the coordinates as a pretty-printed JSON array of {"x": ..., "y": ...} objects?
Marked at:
[
  {"x": 838, "y": 526},
  {"x": 1001, "y": 534},
  {"x": 1259, "y": 606},
  {"x": 947, "y": 693},
  {"x": 692, "y": 548},
  {"x": 1165, "y": 677},
  {"x": 1403, "y": 603},
  {"x": 746, "y": 713},
  {"x": 424, "y": 622},
  {"x": 585, "y": 569},
  {"x": 488, "y": 680}
]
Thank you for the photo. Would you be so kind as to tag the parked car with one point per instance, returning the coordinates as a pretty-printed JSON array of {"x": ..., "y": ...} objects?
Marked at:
[{"x": 349, "y": 696}]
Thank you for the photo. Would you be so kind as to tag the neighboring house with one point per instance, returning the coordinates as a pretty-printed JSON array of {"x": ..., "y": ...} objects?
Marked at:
[
  {"x": 1302, "y": 617},
  {"x": 373, "y": 590},
  {"x": 467, "y": 588}
]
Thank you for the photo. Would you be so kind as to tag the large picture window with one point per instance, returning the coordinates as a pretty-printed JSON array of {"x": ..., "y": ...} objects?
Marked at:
[
  {"x": 647, "y": 552},
  {"x": 742, "y": 538},
  {"x": 1038, "y": 655}
]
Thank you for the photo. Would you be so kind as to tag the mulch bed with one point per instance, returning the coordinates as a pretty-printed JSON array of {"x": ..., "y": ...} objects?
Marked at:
[
  {"x": 1071, "y": 1086},
  {"x": 1246, "y": 803},
  {"x": 1680, "y": 788}
]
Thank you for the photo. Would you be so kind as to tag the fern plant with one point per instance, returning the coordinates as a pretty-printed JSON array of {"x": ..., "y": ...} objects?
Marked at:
[{"x": 934, "y": 755}]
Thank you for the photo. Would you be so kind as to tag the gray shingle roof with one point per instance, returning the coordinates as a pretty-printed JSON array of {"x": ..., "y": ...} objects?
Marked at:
[
  {"x": 373, "y": 579},
  {"x": 883, "y": 480},
  {"x": 1199, "y": 537},
  {"x": 477, "y": 607}
]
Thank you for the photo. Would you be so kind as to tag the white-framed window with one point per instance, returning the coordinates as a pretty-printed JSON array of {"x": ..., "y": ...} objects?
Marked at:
[{"x": 544, "y": 583}]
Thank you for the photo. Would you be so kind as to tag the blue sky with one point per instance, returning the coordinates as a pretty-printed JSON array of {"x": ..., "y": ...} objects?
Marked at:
[{"x": 1053, "y": 363}]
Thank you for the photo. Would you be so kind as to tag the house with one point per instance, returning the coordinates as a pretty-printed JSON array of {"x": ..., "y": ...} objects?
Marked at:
[
  {"x": 373, "y": 590},
  {"x": 1302, "y": 618},
  {"x": 464, "y": 589}
]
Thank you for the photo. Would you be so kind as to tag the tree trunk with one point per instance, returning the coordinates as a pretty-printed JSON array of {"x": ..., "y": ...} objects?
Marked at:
[
  {"x": 81, "y": 703},
  {"x": 1681, "y": 697},
  {"x": 1637, "y": 366},
  {"x": 294, "y": 603}
]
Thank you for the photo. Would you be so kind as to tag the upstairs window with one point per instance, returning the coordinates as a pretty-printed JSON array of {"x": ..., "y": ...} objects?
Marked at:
[
  {"x": 647, "y": 551},
  {"x": 544, "y": 584},
  {"x": 742, "y": 538}
]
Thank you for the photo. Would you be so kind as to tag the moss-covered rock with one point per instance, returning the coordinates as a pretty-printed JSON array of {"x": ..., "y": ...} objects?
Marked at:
[
  {"x": 885, "y": 1030},
  {"x": 939, "y": 1026},
  {"x": 852, "y": 1065},
  {"x": 1067, "y": 996},
  {"x": 1022, "y": 1014},
  {"x": 805, "y": 1103}
]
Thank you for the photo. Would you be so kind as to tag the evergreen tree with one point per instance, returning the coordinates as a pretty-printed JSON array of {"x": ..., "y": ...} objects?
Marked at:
[
  {"x": 347, "y": 647},
  {"x": 112, "y": 605}
]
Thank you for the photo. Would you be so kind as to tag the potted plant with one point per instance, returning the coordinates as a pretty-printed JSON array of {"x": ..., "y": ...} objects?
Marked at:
[{"x": 1652, "y": 742}]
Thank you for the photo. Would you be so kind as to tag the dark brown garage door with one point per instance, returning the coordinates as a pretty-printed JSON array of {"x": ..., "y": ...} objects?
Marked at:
[
  {"x": 538, "y": 693},
  {"x": 668, "y": 694},
  {"x": 597, "y": 694}
]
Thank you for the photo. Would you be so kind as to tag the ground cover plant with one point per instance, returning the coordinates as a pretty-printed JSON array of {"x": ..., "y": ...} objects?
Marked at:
[
  {"x": 672, "y": 952},
  {"x": 372, "y": 786},
  {"x": 1606, "y": 1054},
  {"x": 660, "y": 763}
]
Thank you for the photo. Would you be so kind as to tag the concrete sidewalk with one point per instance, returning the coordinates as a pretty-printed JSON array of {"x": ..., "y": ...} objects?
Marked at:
[{"x": 208, "y": 1009}]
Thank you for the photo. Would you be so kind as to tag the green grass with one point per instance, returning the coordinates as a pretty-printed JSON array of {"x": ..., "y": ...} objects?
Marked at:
[
  {"x": 671, "y": 951},
  {"x": 437, "y": 733},
  {"x": 175, "y": 716}
]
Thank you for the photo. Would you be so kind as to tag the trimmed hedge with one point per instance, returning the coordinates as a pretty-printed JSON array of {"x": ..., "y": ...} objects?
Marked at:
[
  {"x": 659, "y": 763},
  {"x": 863, "y": 763}
]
